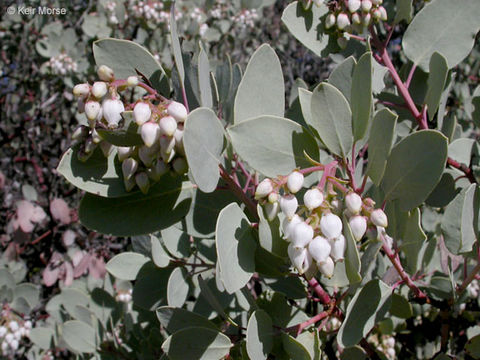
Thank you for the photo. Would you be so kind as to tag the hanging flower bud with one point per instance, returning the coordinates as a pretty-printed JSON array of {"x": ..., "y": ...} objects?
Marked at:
[
  {"x": 141, "y": 113},
  {"x": 342, "y": 21},
  {"x": 146, "y": 155},
  {"x": 157, "y": 170},
  {"x": 320, "y": 249},
  {"x": 271, "y": 210},
  {"x": 180, "y": 166},
  {"x": 263, "y": 189},
  {"x": 367, "y": 19},
  {"x": 295, "y": 182},
  {"x": 129, "y": 183},
  {"x": 106, "y": 148},
  {"x": 356, "y": 19},
  {"x": 112, "y": 110},
  {"x": 150, "y": 133},
  {"x": 166, "y": 145},
  {"x": 80, "y": 133},
  {"x": 302, "y": 234},
  {"x": 353, "y": 201},
  {"x": 124, "y": 152},
  {"x": 383, "y": 13},
  {"x": 358, "y": 225},
  {"x": 90, "y": 146},
  {"x": 272, "y": 197},
  {"x": 92, "y": 108},
  {"x": 330, "y": 21},
  {"x": 289, "y": 205},
  {"x": 178, "y": 111},
  {"x": 105, "y": 73},
  {"x": 338, "y": 248},
  {"x": 132, "y": 81},
  {"x": 313, "y": 198},
  {"x": 129, "y": 167},
  {"x": 377, "y": 2},
  {"x": 81, "y": 90},
  {"x": 378, "y": 218},
  {"x": 168, "y": 125},
  {"x": 178, "y": 135},
  {"x": 96, "y": 137},
  {"x": 99, "y": 89},
  {"x": 376, "y": 15},
  {"x": 300, "y": 258},
  {"x": 366, "y": 5},
  {"x": 353, "y": 5},
  {"x": 327, "y": 268},
  {"x": 141, "y": 179},
  {"x": 331, "y": 226},
  {"x": 289, "y": 224},
  {"x": 342, "y": 42}
]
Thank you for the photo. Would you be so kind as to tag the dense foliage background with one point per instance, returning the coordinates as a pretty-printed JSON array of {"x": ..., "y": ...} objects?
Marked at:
[{"x": 59, "y": 301}]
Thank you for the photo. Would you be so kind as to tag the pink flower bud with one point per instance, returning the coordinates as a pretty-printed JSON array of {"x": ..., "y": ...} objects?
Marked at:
[
  {"x": 99, "y": 89},
  {"x": 141, "y": 179},
  {"x": 358, "y": 225},
  {"x": 272, "y": 197},
  {"x": 327, "y": 267},
  {"x": 142, "y": 113},
  {"x": 377, "y": 2},
  {"x": 383, "y": 13},
  {"x": 129, "y": 167},
  {"x": 166, "y": 146},
  {"x": 353, "y": 201},
  {"x": 178, "y": 111},
  {"x": 132, "y": 81},
  {"x": 150, "y": 133},
  {"x": 124, "y": 152},
  {"x": 289, "y": 205},
  {"x": 168, "y": 125},
  {"x": 289, "y": 224},
  {"x": 342, "y": 42},
  {"x": 112, "y": 110},
  {"x": 302, "y": 234},
  {"x": 353, "y": 5},
  {"x": 313, "y": 198},
  {"x": 271, "y": 210},
  {"x": 330, "y": 21},
  {"x": 338, "y": 248},
  {"x": 320, "y": 249},
  {"x": 146, "y": 155},
  {"x": 295, "y": 182},
  {"x": 366, "y": 5},
  {"x": 378, "y": 218},
  {"x": 356, "y": 19},
  {"x": 367, "y": 19},
  {"x": 300, "y": 258},
  {"x": 92, "y": 108},
  {"x": 157, "y": 170},
  {"x": 342, "y": 21},
  {"x": 263, "y": 189},
  {"x": 81, "y": 90},
  {"x": 105, "y": 73},
  {"x": 331, "y": 226}
]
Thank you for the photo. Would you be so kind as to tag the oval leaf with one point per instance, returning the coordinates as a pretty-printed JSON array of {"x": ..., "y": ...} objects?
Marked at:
[
  {"x": 262, "y": 89},
  {"x": 442, "y": 26},
  {"x": 177, "y": 287},
  {"x": 235, "y": 248},
  {"x": 174, "y": 319},
  {"x": 79, "y": 336},
  {"x": 197, "y": 343},
  {"x": 273, "y": 145},
  {"x": 414, "y": 168},
  {"x": 203, "y": 141},
  {"x": 126, "y": 265},
  {"x": 259, "y": 335}
]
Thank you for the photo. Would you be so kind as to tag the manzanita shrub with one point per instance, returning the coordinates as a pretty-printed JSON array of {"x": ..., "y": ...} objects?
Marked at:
[{"x": 343, "y": 224}]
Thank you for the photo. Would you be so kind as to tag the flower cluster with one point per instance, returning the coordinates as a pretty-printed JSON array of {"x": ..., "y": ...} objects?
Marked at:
[
  {"x": 110, "y": 8},
  {"x": 246, "y": 19},
  {"x": 353, "y": 16},
  {"x": 12, "y": 330},
  {"x": 62, "y": 64},
  {"x": 315, "y": 229},
  {"x": 151, "y": 11},
  {"x": 387, "y": 346},
  {"x": 160, "y": 126}
]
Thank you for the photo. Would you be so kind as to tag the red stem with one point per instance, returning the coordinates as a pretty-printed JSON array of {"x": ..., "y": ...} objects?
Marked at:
[{"x": 322, "y": 294}]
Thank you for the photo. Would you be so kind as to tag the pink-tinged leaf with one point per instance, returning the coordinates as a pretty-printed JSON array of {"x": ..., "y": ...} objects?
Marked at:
[
  {"x": 25, "y": 212},
  {"x": 60, "y": 211},
  {"x": 68, "y": 237},
  {"x": 50, "y": 275},
  {"x": 97, "y": 267},
  {"x": 82, "y": 266},
  {"x": 2, "y": 181}
]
